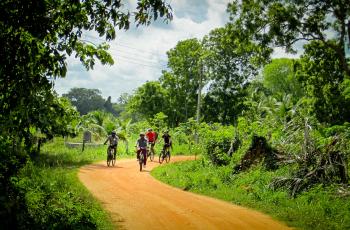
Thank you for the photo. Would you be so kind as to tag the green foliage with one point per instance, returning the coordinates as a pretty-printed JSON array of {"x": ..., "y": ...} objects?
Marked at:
[
  {"x": 217, "y": 143},
  {"x": 120, "y": 106},
  {"x": 230, "y": 68},
  {"x": 148, "y": 100},
  {"x": 53, "y": 197},
  {"x": 9, "y": 195},
  {"x": 325, "y": 88},
  {"x": 282, "y": 23},
  {"x": 280, "y": 78},
  {"x": 85, "y": 100},
  {"x": 94, "y": 122},
  {"x": 159, "y": 122},
  {"x": 320, "y": 207},
  {"x": 182, "y": 81},
  {"x": 36, "y": 38},
  {"x": 323, "y": 160},
  {"x": 139, "y": 127},
  {"x": 108, "y": 106}
]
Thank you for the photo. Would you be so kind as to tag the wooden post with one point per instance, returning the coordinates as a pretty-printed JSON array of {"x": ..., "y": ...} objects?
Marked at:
[{"x": 83, "y": 146}]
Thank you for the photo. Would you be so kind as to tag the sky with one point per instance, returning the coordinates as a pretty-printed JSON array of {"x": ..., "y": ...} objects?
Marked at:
[{"x": 140, "y": 53}]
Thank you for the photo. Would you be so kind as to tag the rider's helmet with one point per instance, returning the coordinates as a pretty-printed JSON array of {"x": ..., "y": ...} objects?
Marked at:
[
  {"x": 149, "y": 130},
  {"x": 113, "y": 133},
  {"x": 142, "y": 134}
]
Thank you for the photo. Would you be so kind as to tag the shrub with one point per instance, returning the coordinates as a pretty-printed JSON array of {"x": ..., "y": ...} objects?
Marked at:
[
  {"x": 217, "y": 144},
  {"x": 54, "y": 201}
]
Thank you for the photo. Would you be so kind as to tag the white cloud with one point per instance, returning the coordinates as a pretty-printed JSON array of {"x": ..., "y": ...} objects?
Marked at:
[{"x": 140, "y": 53}]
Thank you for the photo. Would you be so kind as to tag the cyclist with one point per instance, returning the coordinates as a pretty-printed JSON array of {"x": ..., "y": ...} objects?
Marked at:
[
  {"x": 151, "y": 137},
  {"x": 113, "y": 142},
  {"x": 167, "y": 140},
  {"x": 141, "y": 145}
]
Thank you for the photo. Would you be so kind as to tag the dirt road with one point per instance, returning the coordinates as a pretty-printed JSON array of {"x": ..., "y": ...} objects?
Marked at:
[{"x": 138, "y": 201}]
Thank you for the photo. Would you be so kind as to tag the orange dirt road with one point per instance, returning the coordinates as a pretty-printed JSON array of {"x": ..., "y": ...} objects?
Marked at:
[{"x": 137, "y": 201}]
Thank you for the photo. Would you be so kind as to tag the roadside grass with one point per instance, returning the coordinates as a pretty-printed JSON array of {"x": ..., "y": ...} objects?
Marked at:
[
  {"x": 318, "y": 208},
  {"x": 53, "y": 195}
]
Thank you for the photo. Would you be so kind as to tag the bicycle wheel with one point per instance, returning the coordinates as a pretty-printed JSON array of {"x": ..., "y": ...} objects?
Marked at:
[
  {"x": 141, "y": 161},
  {"x": 113, "y": 158},
  {"x": 161, "y": 157},
  {"x": 167, "y": 156},
  {"x": 108, "y": 160},
  {"x": 151, "y": 155},
  {"x": 108, "y": 157}
]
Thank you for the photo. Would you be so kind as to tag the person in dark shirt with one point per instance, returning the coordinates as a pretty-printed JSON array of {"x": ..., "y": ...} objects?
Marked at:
[
  {"x": 141, "y": 145},
  {"x": 167, "y": 140},
  {"x": 113, "y": 142}
]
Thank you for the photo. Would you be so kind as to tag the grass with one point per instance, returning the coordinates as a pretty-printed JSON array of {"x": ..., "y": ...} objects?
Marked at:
[
  {"x": 318, "y": 208},
  {"x": 53, "y": 195}
]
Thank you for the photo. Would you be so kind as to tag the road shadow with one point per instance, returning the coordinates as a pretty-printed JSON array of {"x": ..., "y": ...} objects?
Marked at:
[{"x": 101, "y": 166}]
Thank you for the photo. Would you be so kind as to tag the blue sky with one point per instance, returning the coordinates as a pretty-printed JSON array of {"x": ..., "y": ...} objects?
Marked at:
[{"x": 140, "y": 53}]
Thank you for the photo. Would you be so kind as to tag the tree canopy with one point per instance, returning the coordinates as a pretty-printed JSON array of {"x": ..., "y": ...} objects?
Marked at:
[
  {"x": 229, "y": 70},
  {"x": 148, "y": 100},
  {"x": 37, "y": 37},
  {"x": 282, "y": 23},
  {"x": 280, "y": 78},
  {"x": 85, "y": 100},
  {"x": 182, "y": 81}
]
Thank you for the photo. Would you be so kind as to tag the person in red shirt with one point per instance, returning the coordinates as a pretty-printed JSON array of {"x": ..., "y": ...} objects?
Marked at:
[{"x": 151, "y": 137}]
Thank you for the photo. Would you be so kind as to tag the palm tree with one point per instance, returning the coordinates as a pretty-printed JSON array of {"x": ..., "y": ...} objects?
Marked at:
[
  {"x": 93, "y": 122},
  {"x": 123, "y": 131}
]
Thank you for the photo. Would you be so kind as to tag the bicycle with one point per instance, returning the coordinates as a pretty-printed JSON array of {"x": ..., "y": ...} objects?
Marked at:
[
  {"x": 110, "y": 156},
  {"x": 165, "y": 154},
  {"x": 141, "y": 158}
]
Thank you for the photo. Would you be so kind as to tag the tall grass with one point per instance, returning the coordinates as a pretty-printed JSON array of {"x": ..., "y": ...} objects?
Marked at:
[
  {"x": 53, "y": 195},
  {"x": 318, "y": 208}
]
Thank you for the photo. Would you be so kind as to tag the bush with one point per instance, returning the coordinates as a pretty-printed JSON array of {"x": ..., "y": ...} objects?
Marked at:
[
  {"x": 12, "y": 160},
  {"x": 54, "y": 201},
  {"x": 217, "y": 143}
]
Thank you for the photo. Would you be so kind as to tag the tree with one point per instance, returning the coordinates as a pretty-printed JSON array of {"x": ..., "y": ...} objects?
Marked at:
[
  {"x": 280, "y": 78},
  {"x": 108, "y": 106},
  {"x": 229, "y": 69},
  {"x": 282, "y": 23},
  {"x": 36, "y": 37},
  {"x": 321, "y": 75},
  {"x": 120, "y": 106},
  {"x": 183, "y": 80},
  {"x": 148, "y": 100},
  {"x": 85, "y": 100},
  {"x": 124, "y": 132}
]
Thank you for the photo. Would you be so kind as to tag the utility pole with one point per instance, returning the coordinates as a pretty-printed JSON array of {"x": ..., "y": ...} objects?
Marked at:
[{"x": 199, "y": 98}]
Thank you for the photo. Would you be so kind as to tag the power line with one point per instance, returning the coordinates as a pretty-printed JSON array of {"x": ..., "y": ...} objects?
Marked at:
[
  {"x": 121, "y": 58},
  {"x": 137, "y": 53},
  {"x": 141, "y": 50},
  {"x": 122, "y": 44},
  {"x": 141, "y": 61},
  {"x": 140, "y": 58}
]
